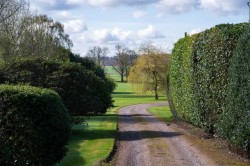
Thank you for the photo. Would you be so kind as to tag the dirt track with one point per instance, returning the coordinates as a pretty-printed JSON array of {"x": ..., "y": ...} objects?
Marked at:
[{"x": 146, "y": 141}]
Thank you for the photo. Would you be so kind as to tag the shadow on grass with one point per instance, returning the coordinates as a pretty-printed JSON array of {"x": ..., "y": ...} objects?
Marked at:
[
  {"x": 123, "y": 93},
  {"x": 134, "y": 96},
  {"x": 124, "y": 135}
]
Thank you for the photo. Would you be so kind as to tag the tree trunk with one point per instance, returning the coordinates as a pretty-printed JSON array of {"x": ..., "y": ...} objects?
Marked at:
[
  {"x": 156, "y": 86},
  {"x": 122, "y": 80},
  {"x": 156, "y": 93}
]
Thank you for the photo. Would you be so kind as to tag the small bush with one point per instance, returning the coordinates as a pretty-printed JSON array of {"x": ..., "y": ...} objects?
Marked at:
[
  {"x": 235, "y": 124},
  {"x": 34, "y": 126}
]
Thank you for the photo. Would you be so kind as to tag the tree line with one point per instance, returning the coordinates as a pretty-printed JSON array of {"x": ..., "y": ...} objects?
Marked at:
[
  {"x": 45, "y": 88},
  {"x": 145, "y": 67},
  {"x": 25, "y": 34}
]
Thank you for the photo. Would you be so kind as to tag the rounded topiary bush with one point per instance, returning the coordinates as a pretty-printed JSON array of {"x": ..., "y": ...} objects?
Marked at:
[
  {"x": 34, "y": 126},
  {"x": 235, "y": 124}
]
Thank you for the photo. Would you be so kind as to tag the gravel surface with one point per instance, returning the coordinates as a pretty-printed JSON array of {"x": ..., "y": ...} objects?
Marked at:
[{"x": 143, "y": 140}]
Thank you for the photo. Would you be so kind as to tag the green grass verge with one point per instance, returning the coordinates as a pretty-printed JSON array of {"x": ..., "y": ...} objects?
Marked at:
[
  {"x": 162, "y": 112},
  {"x": 92, "y": 143}
]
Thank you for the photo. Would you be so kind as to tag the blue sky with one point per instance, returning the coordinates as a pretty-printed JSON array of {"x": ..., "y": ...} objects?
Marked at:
[{"x": 132, "y": 22}]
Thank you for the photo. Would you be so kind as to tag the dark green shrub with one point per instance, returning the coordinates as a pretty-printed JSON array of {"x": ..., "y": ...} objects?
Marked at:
[
  {"x": 82, "y": 91},
  {"x": 28, "y": 71},
  {"x": 88, "y": 64},
  {"x": 235, "y": 124},
  {"x": 34, "y": 126},
  {"x": 212, "y": 51}
]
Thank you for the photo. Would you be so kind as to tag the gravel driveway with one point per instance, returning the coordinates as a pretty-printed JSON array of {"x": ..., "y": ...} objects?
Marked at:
[{"x": 145, "y": 141}]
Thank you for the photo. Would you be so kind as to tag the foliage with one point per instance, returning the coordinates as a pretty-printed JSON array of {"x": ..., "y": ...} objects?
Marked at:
[
  {"x": 209, "y": 81},
  {"x": 212, "y": 51},
  {"x": 81, "y": 90},
  {"x": 88, "y": 64},
  {"x": 180, "y": 81},
  {"x": 33, "y": 72},
  {"x": 34, "y": 126},
  {"x": 235, "y": 124},
  {"x": 25, "y": 35},
  {"x": 149, "y": 72}
]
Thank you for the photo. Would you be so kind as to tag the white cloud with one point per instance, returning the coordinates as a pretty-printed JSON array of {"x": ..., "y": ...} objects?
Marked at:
[
  {"x": 222, "y": 7},
  {"x": 176, "y": 7},
  {"x": 150, "y": 33},
  {"x": 103, "y": 35},
  {"x": 75, "y": 26},
  {"x": 160, "y": 15},
  {"x": 218, "y": 7},
  {"x": 112, "y": 3},
  {"x": 139, "y": 14},
  {"x": 194, "y": 31},
  {"x": 121, "y": 34},
  {"x": 117, "y": 34}
]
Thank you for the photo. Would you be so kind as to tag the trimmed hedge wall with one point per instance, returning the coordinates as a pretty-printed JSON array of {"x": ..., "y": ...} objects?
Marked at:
[
  {"x": 235, "y": 124},
  {"x": 34, "y": 126},
  {"x": 82, "y": 91},
  {"x": 212, "y": 51},
  {"x": 180, "y": 80},
  {"x": 204, "y": 90}
]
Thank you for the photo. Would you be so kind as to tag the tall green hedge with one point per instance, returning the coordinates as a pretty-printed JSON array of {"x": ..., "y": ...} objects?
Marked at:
[
  {"x": 235, "y": 124},
  {"x": 180, "y": 72},
  {"x": 212, "y": 51},
  {"x": 34, "y": 126},
  {"x": 209, "y": 81},
  {"x": 198, "y": 73}
]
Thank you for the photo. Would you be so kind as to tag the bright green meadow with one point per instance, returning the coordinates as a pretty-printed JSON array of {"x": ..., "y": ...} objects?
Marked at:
[{"x": 93, "y": 142}]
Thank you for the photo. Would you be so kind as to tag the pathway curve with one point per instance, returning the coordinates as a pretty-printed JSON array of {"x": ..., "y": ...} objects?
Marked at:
[{"x": 146, "y": 141}]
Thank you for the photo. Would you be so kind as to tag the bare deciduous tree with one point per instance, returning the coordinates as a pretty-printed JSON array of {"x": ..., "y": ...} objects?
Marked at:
[
  {"x": 98, "y": 54},
  {"x": 123, "y": 60},
  {"x": 9, "y": 8},
  {"x": 44, "y": 37},
  {"x": 12, "y": 13}
]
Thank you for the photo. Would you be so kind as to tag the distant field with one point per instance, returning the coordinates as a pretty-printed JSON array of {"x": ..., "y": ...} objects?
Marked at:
[{"x": 92, "y": 143}]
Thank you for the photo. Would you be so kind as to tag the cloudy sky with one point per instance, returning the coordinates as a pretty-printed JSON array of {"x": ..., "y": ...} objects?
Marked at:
[{"x": 131, "y": 22}]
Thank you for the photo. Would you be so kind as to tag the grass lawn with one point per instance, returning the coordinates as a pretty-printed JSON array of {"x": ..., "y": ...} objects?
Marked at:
[
  {"x": 92, "y": 143},
  {"x": 162, "y": 112}
]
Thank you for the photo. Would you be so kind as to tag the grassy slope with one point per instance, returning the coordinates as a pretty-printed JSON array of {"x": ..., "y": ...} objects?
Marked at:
[{"x": 92, "y": 143}]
